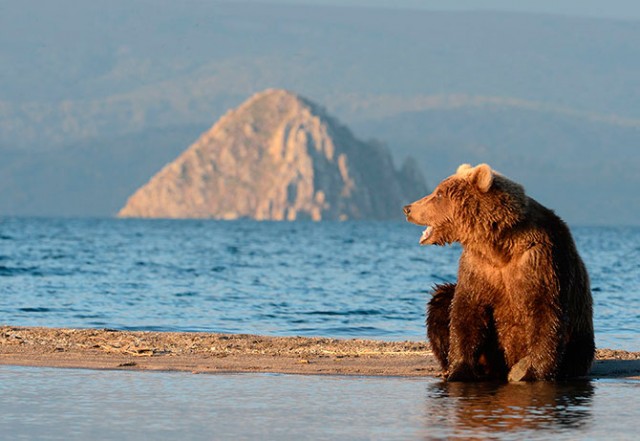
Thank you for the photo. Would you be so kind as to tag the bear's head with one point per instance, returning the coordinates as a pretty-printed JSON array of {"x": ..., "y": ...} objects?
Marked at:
[{"x": 475, "y": 204}]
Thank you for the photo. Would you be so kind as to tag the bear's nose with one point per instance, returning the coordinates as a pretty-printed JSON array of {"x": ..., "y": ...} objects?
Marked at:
[{"x": 407, "y": 210}]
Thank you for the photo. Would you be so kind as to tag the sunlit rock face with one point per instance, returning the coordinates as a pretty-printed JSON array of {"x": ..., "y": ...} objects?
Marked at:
[{"x": 279, "y": 157}]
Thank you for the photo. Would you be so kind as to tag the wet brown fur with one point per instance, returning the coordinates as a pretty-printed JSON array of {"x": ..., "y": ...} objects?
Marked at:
[{"x": 521, "y": 308}]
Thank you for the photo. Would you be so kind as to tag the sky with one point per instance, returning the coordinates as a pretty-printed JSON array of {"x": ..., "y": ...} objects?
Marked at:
[{"x": 616, "y": 9}]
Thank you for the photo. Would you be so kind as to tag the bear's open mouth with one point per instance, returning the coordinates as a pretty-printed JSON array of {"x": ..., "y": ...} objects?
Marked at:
[{"x": 425, "y": 234}]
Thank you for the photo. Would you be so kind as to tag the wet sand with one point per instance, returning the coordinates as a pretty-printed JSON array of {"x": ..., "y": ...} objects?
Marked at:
[{"x": 229, "y": 353}]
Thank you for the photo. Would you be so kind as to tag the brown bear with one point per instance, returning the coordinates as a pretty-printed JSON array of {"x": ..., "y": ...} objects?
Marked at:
[{"x": 521, "y": 308}]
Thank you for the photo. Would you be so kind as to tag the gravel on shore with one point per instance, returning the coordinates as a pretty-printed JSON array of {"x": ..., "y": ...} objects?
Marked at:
[{"x": 226, "y": 353}]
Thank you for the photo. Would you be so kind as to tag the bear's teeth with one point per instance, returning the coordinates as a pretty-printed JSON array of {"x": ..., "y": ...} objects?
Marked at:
[{"x": 425, "y": 234}]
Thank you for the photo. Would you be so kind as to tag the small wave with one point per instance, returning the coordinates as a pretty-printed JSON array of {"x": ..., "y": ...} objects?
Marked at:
[
  {"x": 358, "y": 330},
  {"x": 346, "y": 313},
  {"x": 88, "y": 316},
  {"x": 7, "y": 271},
  {"x": 55, "y": 256},
  {"x": 37, "y": 309},
  {"x": 343, "y": 331},
  {"x": 186, "y": 294}
]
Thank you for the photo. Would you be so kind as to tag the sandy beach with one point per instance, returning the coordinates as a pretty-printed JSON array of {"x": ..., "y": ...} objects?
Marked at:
[{"x": 231, "y": 353}]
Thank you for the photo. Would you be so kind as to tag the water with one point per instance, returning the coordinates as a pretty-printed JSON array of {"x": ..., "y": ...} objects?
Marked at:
[
  {"x": 364, "y": 279},
  {"x": 352, "y": 279},
  {"x": 55, "y": 404}
]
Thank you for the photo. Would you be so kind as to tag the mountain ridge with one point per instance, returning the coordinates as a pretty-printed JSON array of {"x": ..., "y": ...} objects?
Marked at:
[{"x": 131, "y": 82}]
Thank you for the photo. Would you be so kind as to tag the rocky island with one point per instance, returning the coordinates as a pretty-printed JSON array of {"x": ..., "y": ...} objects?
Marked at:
[{"x": 279, "y": 156}]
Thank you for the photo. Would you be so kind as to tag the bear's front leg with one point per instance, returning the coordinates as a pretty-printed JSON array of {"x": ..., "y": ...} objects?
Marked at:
[
  {"x": 470, "y": 322},
  {"x": 541, "y": 360},
  {"x": 544, "y": 344},
  {"x": 539, "y": 325}
]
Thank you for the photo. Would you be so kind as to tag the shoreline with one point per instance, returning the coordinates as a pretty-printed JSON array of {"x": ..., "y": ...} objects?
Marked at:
[{"x": 197, "y": 352}]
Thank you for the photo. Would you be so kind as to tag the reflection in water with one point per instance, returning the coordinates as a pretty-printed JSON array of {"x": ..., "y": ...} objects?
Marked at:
[
  {"x": 483, "y": 409},
  {"x": 62, "y": 404}
]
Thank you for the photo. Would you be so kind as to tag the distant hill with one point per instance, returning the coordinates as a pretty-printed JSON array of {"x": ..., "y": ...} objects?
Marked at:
[
  {"x": 279, "y": 157},
  {"x": 86, "y": 178},
  {"x": 123, "y": 67},
  {"x": 97, "y": 96},
  {"x": 586, "y": 170},
  {"x": 583, "y": 169}
]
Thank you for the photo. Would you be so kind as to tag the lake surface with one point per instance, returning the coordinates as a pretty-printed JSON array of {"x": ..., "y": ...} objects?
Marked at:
[
  {"x": 351, "y": 279},
  {"x": 71, "y": 404}
]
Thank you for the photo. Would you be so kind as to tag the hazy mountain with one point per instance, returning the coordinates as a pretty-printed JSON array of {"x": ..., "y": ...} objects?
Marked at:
[
  {"x": 278, "y": 157},
  {"x": 586, "y": 170},
  {"x": 89, "y": 178},
  {"x": 94, "y": 69}
]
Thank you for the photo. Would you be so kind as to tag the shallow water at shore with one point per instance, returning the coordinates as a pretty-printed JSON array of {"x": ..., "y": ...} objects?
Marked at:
[
  {"x": 351, "y": 279},
  {"x": 69, "y": 404}
]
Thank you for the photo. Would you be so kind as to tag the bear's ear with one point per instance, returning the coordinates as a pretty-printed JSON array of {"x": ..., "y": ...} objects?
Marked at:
[
  {"x": 482, "y": 177},
  {"x": 463, "y": 169}
]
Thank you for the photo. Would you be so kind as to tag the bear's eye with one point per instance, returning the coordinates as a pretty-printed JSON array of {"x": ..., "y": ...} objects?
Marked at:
[{"x": 439, "y": 195}]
